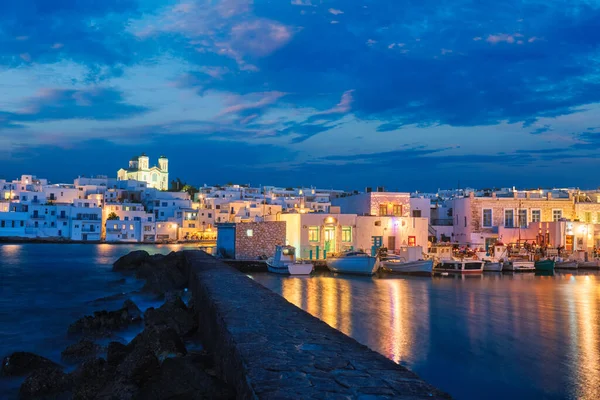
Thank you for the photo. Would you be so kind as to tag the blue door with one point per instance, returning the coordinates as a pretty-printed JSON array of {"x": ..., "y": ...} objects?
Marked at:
[{"x": 376, "y": 243}]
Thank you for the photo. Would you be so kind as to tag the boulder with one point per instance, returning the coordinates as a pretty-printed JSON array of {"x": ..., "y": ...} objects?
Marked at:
[
  {"x": 90, "y": 378},
  {"x": 23, "y": 363},
  {"x": 107, "y": 299},
  {"x": 163, "y": 273},
  {"x": 116, "y": 353},
  {"x": 44, "y": 383},
  {"x": 83, "y": 350},
  {"x": 183, "y": 378},
  {"x": 139, "y": 366},
  {"x": 162, "y": 341},
  {"x": 131, "y": 261},
  {"x": 174, "y": 314},
  {"x": 119, "y": 389},
  {"x": 103, "y": 323}
]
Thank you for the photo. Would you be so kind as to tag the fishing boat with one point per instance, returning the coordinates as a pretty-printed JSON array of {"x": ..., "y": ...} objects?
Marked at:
[
  {"x": 492, "y": 266},
  {"x": 409, "y": 260},
  {"x": 353, "y": 262},
  {"x": 545, "y": 265},
  {"x": 460, "y": 266},
  {"x": 519, "y": 266},
  {"x": 594, "y": 264},
  {"x": 565, "y": 264},
  {"x": 284, "y": 262},
  {"x": 399, "y": 265}
]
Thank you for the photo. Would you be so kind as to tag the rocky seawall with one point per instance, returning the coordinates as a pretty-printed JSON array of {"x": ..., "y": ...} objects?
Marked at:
[{"x": 156, "y": 364}]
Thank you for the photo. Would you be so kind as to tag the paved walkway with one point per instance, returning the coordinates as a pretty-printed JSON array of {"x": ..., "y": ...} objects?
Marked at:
[{"x": 270, "y": 349}]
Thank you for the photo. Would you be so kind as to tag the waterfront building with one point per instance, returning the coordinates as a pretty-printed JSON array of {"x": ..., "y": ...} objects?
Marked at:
[
  {"x": 128, "y": 222},
  {"x": 379, "y": 203},
  {"x": 139, "y": 170},
  {"x": 250, "y": 240}
]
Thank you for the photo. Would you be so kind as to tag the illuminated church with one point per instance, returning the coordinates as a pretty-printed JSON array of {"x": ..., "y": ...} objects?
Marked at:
[{"x": 140, "y": 170}]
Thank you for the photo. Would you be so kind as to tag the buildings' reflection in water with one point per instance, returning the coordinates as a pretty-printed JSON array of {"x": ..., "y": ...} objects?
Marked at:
[
  {"x": 10, "y": 250},
  {"x": 587, "y": 297},
  {"x": 386, "y": 319}
]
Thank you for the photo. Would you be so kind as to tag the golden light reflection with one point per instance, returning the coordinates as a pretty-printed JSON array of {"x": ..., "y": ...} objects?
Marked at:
[
  {"x": 11, "y": 250},
  {"x": 589, "y": 352}
]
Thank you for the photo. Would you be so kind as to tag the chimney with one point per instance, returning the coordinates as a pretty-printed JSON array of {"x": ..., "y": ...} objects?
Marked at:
[
  {"x": 493, "y": 195},
  {"x": 528, "y": 195},
  {"x": 368, "y": 189},
  {"x": 549, "y": 196}
]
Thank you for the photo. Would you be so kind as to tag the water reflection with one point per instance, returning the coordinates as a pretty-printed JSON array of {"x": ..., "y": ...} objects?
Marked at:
[{"x": 500, "y": 335}]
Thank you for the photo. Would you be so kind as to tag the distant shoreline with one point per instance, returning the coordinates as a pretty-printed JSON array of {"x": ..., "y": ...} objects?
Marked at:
[{"x": 12, "y": 240}]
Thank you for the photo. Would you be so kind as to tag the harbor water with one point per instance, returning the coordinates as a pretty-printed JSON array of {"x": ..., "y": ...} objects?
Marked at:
[
  {"x": 495, "y": 336},
  {"x": 46, "y": 287}
]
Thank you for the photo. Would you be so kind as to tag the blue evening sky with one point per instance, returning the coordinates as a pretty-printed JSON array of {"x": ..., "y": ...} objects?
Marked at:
[{"x": 341, "y": 93}]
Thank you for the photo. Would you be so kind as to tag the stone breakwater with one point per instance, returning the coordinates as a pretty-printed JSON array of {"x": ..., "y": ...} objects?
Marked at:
[
  {"x": 256, "y": 345},
  {"x": 268, "y": 348}
]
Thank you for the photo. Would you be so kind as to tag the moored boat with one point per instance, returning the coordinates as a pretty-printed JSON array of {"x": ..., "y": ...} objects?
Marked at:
[
  {"x": 492, "y": 266},
  {"x": 519, "y": 266},
  {"x": 594, "y": 264},
  {"x": 460, "y": 266},
  {"x": 566, "y": 264},
  {"x": 544, "y": 265},
  {"x": 353, "y": 262},
  {"x": 284, "y": 262},
  {"x": 399, "y": 266}
]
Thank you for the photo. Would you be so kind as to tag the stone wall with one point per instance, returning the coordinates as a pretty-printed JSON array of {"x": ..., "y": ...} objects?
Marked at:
[
  {"x": 267, "y": 348},
  {"x": 256, "y": 239}
]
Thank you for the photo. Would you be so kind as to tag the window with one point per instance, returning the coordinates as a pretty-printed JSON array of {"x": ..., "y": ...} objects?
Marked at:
[
  {"x": 536, "y": 215},
  {"x": 509, "y": 218},
  {"x": 487, "y": 218},
  {"x": 123, "y": 227},
  {"x": 412, "y": 240},
  {"x": 382, "y": 209},
  {"x": 391, "y": 245},
  {"x": 523, "y": 218},
  {"x": 147, "y": 228},
  {"x": 2, "y": 224},
  {"x": 76, "y": 226},
  {"x": 131, "y": 227},
  {"x": 346, "y": 233},
  {"x": 23, "y": 224},
  {"x": 556, "y": 215},
  {"x": 397, "y": 210},
  {"x": 126, "y": 218},
  {"x": 160, "y": 225},
  {"x": 587, "y": 217},
  {"x": 164, "y": 204},
  {"x": 192, "y": 225},
  {"x": 64, "y": 224},
  {"x": 115, "y": 226},
  {"x": 313, "y": 234},
  {"x": 249, "y": 232},
  {"x": 416, "y": 213}
]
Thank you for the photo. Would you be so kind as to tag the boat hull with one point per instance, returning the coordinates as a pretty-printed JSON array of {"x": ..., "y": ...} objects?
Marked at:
[
  {"x": 353, "y": 265},
  {"x": 519, "y": 266},
  {"x": 278, "y": 269},
  {"x": 460, "y": 267},
  {"x": 566, "y": 265},
  {"x": 421, "y": 267},
  {"x": 300, "y": 269},
  {"x": 493, "y": 267},
  {"x": 544, "y": 265},
  {"x": 589, "y": 265}
]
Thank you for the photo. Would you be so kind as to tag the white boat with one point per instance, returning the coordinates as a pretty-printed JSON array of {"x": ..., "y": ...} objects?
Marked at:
[
  {"x": 353, "y": 262},
  {"x": 460, "y": 266},
  {"x": 400, "y": 266},
  {"x": 565, "y": 264},
  {"x": 519, "y": 266},
  {"x": 284, "y": 262},
  {"x": 493, "y": 266},
  {"x": 594, "y": 264}
]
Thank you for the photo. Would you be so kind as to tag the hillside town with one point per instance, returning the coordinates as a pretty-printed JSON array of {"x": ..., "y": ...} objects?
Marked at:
[{"x": 136, "y": 207}]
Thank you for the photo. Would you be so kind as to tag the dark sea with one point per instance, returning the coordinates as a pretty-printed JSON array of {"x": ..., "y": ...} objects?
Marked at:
[
  {"x": 496, "y": 336},
  {"x": 46, "y": 287}
]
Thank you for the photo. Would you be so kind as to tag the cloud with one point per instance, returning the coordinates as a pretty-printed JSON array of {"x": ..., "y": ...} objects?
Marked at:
[
  {"x": 541, "y": 130},
  {"x": 250, "y": 103},
  {"x": 335, "y": 11},
  {"x": 63, "y": 104},
  {"x": 388, "y": 127}
]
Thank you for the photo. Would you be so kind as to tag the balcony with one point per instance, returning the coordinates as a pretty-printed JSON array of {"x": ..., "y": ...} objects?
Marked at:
[{"x": 38, "y": 217}]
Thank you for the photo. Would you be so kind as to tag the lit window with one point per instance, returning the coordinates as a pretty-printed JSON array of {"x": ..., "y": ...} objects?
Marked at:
[
  {"x": 130, "y": 227},
  {"x": 536, "y": 215},
  {"x": 397, "y": 210},
  {"x": 123, "y": 227},
  {"x": 522, "y": 218},
  {"x": 160, "y": 225},
  {"x": 346, "y": 234},
  {"x": 115, "y": 226},
  {"x": 249, "y": 232},
  {"x": 383, "y": 209},
  {"x": 313, "y": 234},
  {"x": 587, "y": 217}
]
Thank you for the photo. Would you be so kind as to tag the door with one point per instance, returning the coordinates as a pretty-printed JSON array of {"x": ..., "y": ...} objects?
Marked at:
[
  {"x": 412, "y": 240},
  {"x": 376, "y": 243},
  {"x": 569, "y": 242},
  {"x": 489, "y": 242},
  {"x": 391, "y": 244},
  {"x": 330, "y": 240}
]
